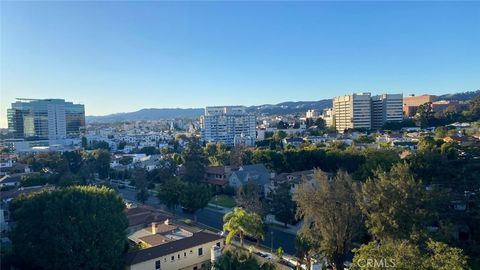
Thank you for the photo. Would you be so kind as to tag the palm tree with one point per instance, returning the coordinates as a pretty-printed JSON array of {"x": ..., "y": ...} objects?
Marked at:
[
  {"x": 303, "y": 248},
  {"x": 241, "y": 223}
]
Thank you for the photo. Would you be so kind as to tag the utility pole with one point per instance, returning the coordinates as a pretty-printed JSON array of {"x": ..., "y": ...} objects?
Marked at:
[{"x": 271, "y": 241}]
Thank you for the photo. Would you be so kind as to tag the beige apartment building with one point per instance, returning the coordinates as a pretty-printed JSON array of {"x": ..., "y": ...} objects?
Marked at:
[
  {"x": 192, "y": 253},
  {"x": 352, "y": 111}
]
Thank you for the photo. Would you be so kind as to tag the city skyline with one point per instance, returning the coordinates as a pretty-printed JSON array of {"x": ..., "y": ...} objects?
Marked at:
[{"x": 130, "y": 56}]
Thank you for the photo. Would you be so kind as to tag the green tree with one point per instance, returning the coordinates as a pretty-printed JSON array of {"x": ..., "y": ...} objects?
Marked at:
[
  {"x": 440, "y": 256},
  {"x": 474, "y": 108},
  {"x": 217, "y": 154},
  {"x": 76, "y": 227},
  {"x": 170, "y": 192},
  {"x": 393, "y": 203},
  {"x": 101, "y": 162},
  {"x": 279, "y": 135},
  {"x": 364, "y": 139},
  {"x": 195, "y": 197},
  {"x": 149, "y": 150},
  {"x": 84, "y": 142},
  {"x": 34, "y": 179},
  {"x": 121, "y": 145},
  {"x": 331, "y": 216},
  {"x": 376, "y": 159},
  {"x": 388, "y": 254},
  {"x": 404, "y": 254},
  {"x": 194, "y": 162},
  {"x": 424, "y": 115},
  {"x": 125, "y": 160},
  {"x": 281, "y": 203},
  {"x": 240, "y": 222},
  {"x": 279, "y": 252},
  {"x": 320, "y": 123},
  {"x": 303, "y": 251},
  {"x": 140, "y": 177},
  {"x": 99, "y": 145},
  {"x": 74, "y": 160},
  {"x": 282, "y": 125}
]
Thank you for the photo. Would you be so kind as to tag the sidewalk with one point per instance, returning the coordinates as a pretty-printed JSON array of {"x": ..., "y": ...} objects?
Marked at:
[
  {"x": 219, "y": 208},
  {"x": 291, "y": 229}
]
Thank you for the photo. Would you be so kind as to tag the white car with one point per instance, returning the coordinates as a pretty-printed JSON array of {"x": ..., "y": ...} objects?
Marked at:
[{"x": 265, "y": 255}]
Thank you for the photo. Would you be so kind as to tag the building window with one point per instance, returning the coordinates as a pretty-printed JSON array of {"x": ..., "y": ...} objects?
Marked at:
[
  {"x": 195, "y": 268},
  {"x": 218, "y": 244},
  {"x": 200, "y": 251},
  {"x": 178, "y": 256},
  {"x": 173, "y": 258},
  {"x": 184, "y": 254},
  {"x": 157, "y": 265},
  {"x": 165, "y": 259}
]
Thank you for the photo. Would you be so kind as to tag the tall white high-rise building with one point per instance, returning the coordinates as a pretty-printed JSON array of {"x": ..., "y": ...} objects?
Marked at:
[
  {"x": 386, "y": 108},
  {"x": 352, "y": 111},
  {"x": 228, "y": 124}
]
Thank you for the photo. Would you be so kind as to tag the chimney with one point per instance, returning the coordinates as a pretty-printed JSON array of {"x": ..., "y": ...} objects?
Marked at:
[{"x": 154, "y": 228}]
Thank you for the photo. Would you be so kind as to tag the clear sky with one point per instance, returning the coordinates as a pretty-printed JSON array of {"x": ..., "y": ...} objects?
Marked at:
[{"x": 123, "y": 56}]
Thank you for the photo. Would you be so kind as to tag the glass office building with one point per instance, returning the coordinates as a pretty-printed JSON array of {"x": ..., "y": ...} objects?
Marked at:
[{"x": 45, "y": 119}]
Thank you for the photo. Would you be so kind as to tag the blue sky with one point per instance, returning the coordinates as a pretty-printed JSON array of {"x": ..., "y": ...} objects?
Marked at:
[{"x": 123, "y": 56}]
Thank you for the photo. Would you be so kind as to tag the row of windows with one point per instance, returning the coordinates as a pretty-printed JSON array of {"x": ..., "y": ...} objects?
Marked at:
[{"x": 199, "y": 252}]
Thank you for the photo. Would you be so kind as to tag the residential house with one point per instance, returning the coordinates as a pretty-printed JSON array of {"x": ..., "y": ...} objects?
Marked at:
[
  {"x": 256, "y": 173},
  {"x": 6, "y": 163},
  {"x": 461, "y": 140},
  {"x": 294, "y": 179},
  {"x": 217, "y": 175},
  {"x": 192, "y": 252},
  {"x": 139, "y": 217},
  {"x": 11, "y": 180},
  {"x": 149, "y": 163},
  {"x": 296, "y": 141},
  {"x": 412, "y": 145},
  {"x": 158, "y": 233}
]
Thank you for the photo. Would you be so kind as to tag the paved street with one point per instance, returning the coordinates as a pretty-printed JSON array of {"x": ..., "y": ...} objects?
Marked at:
[{"x": 214, "y": 219}]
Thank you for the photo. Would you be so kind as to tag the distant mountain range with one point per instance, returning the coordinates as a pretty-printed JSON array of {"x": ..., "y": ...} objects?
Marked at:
[
  {"x": 267, "y": 109},
  {"x": 463, "y": 96},
  {"x": 155, "y": 114},
  {"x": 147, "y": 114}
]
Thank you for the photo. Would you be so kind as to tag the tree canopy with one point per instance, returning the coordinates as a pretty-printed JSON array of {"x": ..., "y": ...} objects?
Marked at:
[
  {"x": 393, "y": 203},
  {"x": 404, "y": 254},
  {"x": 331, "y": 216},
  {"x": 77, "y": 227}
]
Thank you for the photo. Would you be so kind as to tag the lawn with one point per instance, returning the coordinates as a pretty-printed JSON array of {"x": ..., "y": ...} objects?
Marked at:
[{"x": 223, "y": 200}]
